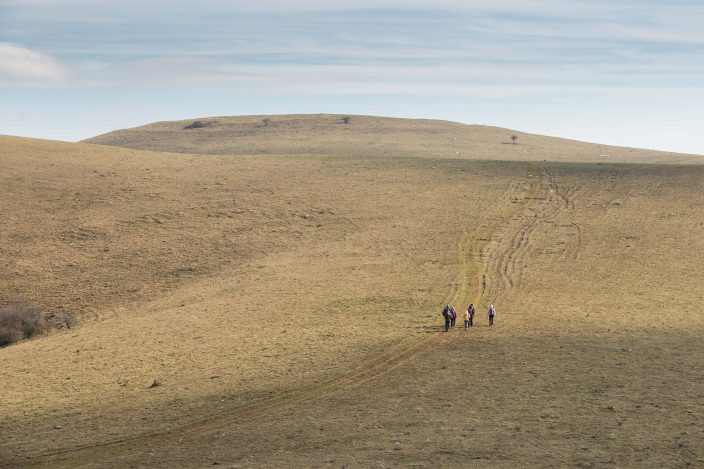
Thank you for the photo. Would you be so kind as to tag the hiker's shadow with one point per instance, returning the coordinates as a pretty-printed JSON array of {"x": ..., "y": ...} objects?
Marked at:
[
  {"x": 431, "y": 329},
  {"x": 438, "y": 329}
]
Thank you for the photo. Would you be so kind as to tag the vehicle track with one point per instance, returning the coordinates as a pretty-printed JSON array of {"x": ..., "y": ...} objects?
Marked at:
[
  {"x": 505, "y": 250},
  {"x": 546, "y": 202}
]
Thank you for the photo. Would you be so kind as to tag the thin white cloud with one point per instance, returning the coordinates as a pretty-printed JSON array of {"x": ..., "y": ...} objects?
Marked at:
[
  {"x": 190, "y": 73},
  {"x": 22, "y": 66},
  {"x": 306, "y": 5}
]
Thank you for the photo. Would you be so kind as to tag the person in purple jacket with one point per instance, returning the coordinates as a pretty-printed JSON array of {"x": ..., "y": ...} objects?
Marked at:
[{"x": 453, "y": 317}]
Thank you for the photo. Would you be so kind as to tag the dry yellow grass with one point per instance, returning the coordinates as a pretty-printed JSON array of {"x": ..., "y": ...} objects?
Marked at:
[{"x": 289, "y": 305}]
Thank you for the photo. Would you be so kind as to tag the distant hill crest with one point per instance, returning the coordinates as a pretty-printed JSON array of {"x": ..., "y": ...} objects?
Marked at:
[{"x": 353, "y": 135}]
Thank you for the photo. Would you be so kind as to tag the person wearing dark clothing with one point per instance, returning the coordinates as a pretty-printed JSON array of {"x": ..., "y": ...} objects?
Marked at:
[
  {"x": 448, "y": 317},
  {"x": 492, "y": 313},
  {"x": 453, "y": 316}
]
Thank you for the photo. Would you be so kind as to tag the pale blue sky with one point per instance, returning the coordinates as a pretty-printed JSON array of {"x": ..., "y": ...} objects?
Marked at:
[{"x": 620, "y": 72}]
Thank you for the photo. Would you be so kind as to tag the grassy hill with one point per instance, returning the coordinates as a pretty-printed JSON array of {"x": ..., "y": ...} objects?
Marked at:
[
  {"x": 288, "y": 306},
  {"x": 366, "y": 136}
]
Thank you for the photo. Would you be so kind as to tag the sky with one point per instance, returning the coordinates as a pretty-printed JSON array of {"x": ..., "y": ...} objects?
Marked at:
[{"x": 620, "y": 72}]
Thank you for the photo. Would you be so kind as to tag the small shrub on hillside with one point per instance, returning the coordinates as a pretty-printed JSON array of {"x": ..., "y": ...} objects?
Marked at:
[
  {"x": 19, "y": 322},
  {"x": 347, "y": 119},
  {"x": 266, "y": 121},
  {"x": 196, "y": 125},
  {"x": 514, "y": 138},
  {"x": 22, "y": 321},
  {"x": 61, "y": 320}
]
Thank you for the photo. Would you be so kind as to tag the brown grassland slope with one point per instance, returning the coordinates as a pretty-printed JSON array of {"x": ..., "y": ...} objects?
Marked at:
[{"x": 288, "y": 305}]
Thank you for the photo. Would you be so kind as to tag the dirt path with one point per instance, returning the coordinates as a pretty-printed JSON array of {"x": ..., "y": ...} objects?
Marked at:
[
  {"x": 506, "y": 253},
  {"x": 491, "y": 259}
]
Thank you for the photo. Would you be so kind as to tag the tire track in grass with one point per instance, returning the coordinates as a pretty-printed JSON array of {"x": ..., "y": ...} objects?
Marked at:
[
  {"x": 546, "y": 201},
  {"x": 506, "y": 247}
]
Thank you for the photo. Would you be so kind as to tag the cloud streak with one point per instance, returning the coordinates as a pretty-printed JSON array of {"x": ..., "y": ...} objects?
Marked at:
[
  {"x": 440, "y": 80},
  {"x": 22, "y": 66}
]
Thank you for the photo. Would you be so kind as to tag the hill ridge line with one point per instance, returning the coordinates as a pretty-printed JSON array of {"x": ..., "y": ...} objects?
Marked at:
[{"x": 311, "y": 134}]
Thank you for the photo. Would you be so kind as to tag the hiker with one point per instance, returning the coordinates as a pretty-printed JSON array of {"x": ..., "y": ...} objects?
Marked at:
[
  {"x": 471, "y": 311},
  {"x": 448, "y": 316},
  {"x": 453, "y": 316},
  {"x": 466, "y": 319},
  {"x": 492, "y": 313}
]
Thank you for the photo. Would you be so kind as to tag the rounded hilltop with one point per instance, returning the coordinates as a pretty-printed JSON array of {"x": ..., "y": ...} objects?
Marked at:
[{"x": 351, "y": 135}]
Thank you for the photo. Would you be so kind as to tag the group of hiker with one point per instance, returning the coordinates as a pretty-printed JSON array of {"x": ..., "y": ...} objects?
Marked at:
[{"x": 450, "y": 316}]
